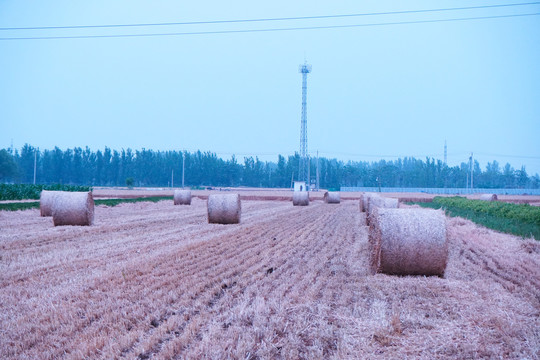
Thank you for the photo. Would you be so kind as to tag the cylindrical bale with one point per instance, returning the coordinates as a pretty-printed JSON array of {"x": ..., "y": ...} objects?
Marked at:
[
  {"x": 46, "y": 199},
  {"x": 182, "y": 197},
  {"x": 332, "y": 197},
  {"x": 408, "y": 242},
  {"x": 488, "y": 197},
  {"x": 224, "y": 209},
  {"x": 73, "y": 208},
  {"x": 365, "y": 200},
  {"x": 300, "y": 198}
]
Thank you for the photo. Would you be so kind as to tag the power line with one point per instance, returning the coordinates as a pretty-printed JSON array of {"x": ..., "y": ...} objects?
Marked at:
[
  {"x": 269, "y": 29},
  {"x": 453, "y": 155},
  {"x": 510, "y": 156},
  {"x": 271, "y": 19},
  {"x": 334, "y": 153}
]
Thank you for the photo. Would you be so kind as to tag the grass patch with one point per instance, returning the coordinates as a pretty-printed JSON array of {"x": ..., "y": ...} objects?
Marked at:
[
  {"x": 16, "y": 206},
  {"x": 30, "y": 191},
  {"x": 520, "y": 220},
  {"x": 114, "y": 202}
]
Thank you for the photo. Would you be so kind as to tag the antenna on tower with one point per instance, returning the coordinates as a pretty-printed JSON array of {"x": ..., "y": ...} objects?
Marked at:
[{"x": 304, "y": 69}]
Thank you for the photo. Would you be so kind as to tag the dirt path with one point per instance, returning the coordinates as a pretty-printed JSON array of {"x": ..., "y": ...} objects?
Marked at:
[{"x": 153, "y": 280}]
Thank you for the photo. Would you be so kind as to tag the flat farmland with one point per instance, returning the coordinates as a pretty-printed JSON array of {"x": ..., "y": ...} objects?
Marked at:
[
  {"x": 156, "y": 281},
  {"x": 286, "y": 194}
]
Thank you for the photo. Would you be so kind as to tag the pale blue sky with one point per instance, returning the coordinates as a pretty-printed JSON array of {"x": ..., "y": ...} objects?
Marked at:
[{"x": 375, "y": 91}]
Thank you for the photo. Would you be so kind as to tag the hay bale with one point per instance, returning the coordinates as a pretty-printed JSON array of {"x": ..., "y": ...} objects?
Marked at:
[
  {"x": 182, "y": 197},
  {"x": 46, "y": 199},
  {"x": 408, "y": 242},
  {"x": 365, "y": 198},
  {"x": 332, "y": 197},
  {"x": 300, "y": 198},
  {"x": 224, "y": 209},
  {"x": 379, "y": 202},
  {"x": 73, "y": 208},
  {"x": 488, "y": 197}
]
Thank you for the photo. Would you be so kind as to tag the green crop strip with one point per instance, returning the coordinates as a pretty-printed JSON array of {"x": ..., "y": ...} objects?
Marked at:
[
  {"x": 15, "y": 206},
  {"x": 522, "y": 220},
  {"x": 29, "y": 191},
  {"x": 114, "y": 202}
]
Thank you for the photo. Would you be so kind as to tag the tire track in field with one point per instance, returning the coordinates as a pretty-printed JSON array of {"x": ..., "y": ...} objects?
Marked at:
[
  {"x": 510, "y": 279},
  {"x": 483, "y": 255}
]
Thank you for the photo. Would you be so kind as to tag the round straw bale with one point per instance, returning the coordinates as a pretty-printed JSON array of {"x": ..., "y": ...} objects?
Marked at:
[
  {"x": 300, "y": 198},
  {"x": 182, "y": 197},
  {"x": 224, "y": 209},
  {"x": 488, "y": 197},
  {"x": 365, "y": 199},
  {"x": 332, "y": 197},
  {"x": 408, "y": 242},
  {"x": 73, "y": 208},
  {"x": 46, "y": 199}
]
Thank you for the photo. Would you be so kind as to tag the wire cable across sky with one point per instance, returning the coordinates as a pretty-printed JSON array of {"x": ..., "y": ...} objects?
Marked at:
[
  {"x": 269, "y": 29},
  {"x": 272, "y": 19}
]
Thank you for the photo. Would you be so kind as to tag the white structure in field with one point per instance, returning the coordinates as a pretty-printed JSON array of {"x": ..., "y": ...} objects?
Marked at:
[{"x": 300, "y": 186}]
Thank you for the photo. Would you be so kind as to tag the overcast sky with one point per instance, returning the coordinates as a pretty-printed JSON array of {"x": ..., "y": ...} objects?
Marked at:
[{"x": 381, "y": 91}]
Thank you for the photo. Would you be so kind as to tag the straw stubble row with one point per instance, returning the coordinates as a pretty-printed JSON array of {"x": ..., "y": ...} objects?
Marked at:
[{"x": 186, "y": 289}]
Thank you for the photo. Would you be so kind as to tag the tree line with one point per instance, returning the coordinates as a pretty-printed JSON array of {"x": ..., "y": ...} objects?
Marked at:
[{"x": 145, "y": 167}]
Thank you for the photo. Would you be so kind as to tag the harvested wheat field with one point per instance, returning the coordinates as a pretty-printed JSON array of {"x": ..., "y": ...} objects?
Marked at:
[{"x": 156, "y": 281}]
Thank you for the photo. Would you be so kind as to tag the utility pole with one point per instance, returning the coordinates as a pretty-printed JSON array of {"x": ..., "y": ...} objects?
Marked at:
[
  {"x": 35, "y": 165},
  {"x": 445, "y": 152},
  {"x": 183, "y": 167},
  {"x": 308, "y": 183},
  {"x": 317, "y": 170},
  {"x": 472, "y": 172},
  {"x": 172, "y": 178}
]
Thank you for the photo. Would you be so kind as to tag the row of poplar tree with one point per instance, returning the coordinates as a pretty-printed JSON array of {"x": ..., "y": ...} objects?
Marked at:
[{"x": 83, "y": 166}]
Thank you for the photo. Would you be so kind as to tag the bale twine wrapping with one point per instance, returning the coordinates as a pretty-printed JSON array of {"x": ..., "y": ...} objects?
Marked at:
[
  {"x": 182, "y": 197},
  {"x": 73, "y": 208},
  {"x": 300, "y": 198},
  {"x": 46, "y": 199},
  {"x": 332, "y": 197},
  {"x": 488, "y": 197},
  {"x": 408, "y": 242},
  {"x": 224, "y": 209}
]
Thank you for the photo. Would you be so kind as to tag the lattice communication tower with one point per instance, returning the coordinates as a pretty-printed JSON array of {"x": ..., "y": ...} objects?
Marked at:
[{"x": 303, "y": 170}]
